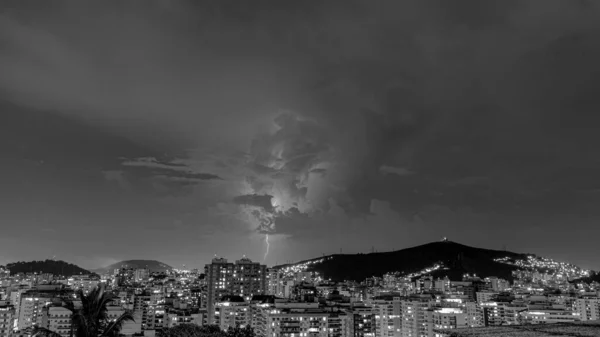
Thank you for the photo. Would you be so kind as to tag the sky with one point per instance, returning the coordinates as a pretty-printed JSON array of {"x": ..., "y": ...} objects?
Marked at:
[{"x": 181, "y": 130}]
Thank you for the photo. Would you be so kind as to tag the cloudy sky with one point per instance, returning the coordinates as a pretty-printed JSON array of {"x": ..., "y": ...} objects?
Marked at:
[{"x": 177, "y": 130}]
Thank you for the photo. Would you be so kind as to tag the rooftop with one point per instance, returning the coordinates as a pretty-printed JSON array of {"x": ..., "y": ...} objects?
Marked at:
[{"x": 579, "y": 329}]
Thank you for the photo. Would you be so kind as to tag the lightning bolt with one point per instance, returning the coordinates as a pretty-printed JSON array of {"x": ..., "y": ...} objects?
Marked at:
[{"x": 268, "y": 246}]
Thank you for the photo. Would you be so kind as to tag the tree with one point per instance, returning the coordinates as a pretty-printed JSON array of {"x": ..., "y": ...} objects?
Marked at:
[
  {"x": 193, "y": 330},
  {"x": 91, "y": 318},
  {"x": 241, "y": 332}
]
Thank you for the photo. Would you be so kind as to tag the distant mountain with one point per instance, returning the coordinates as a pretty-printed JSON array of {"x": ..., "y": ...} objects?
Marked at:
[
  {"x": 438, "y": 259},
  {"x": 55, "y": 267},
  {"x": 152, "y": 265}
]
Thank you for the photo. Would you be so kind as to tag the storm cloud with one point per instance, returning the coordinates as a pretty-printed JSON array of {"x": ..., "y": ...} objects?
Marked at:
[{"x": 289, "y": 110}]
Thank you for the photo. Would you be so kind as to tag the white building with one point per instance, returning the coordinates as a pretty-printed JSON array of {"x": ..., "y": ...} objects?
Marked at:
[
  {"x": 540, "y": 316},
  {"x": 297, "y": 322},
  {"x": 30, "y": 310},
  {"x": 588, "y": 308},
  {"x": 388, "y": 318},
  {"x": 301, "y": 319},
  {"x": 129, "y": 328},
  {"x": 448, "y": 318},
  {"x": 15, "y": 300},
  {"x": 7, "y": 316},
  {"x": 57, "y": 319},
  {"x": 414, "y": 317},
  {"x": 83, "y": 282},
  {"x": 485, "y": 296},
  {"x": 232, "y": 314},
  {"x": 274, "y": 283}
]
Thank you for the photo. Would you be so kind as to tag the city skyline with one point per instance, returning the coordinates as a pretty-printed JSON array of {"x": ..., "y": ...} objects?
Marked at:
[
  {"x": 531, "y": 295},
  {"x": 175, "y": 131}
]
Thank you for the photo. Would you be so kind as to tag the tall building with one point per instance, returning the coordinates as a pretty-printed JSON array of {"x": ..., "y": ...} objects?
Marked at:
[
  {"x": 232, "y": 312},
  {"x": 388, "y": 317},
  {"x": 300, "y": 320},
  {"x": 151, "y": 309},
  {"x": 414, "y": 317},
  {"x": 31, "y": 304},
  {"x": 57, "y": 319},
  {"x": 588, "y": 308},
  {"x": 30, "y": 310},
  {"x": 15, "y": 300},
  {"x": 33, "y": 301},
  {"x": 7, "y": 315},
  {"x": 364, "y": 321},
  {"x": 448, "y": 318},
  {"x": 243, "y": 278},
  {"x": 340, "y": 323},
  {"x": 274, "y": 283}
]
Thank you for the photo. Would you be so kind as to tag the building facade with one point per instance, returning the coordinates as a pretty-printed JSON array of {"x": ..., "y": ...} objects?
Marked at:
[
  {"x": 243, "y": 278},
  {"x": 7, "y": 316},
  {"x": 588, "y": 308}
]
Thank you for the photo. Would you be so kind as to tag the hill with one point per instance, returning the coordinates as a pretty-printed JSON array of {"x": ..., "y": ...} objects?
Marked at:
[
  {"x": 152, "y": 265},
  {"x": 445, "y": 258},
  {"x": 593, "y": 277},
  {"x": 55, "y": 267}
]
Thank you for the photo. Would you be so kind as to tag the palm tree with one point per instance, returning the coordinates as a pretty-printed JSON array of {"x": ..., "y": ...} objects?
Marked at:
[{"x": 91, "y": 318}]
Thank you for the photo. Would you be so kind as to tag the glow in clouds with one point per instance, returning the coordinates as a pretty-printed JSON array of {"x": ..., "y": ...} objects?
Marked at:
[{"x": 286, "y": 172}]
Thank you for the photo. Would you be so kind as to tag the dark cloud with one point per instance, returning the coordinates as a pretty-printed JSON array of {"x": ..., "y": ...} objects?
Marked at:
[
  {"x": 256, "y": 200},
  {"x": 318, "y": 170},
  {"x": 430, "y": 106},
  {"x": 190, "y": 176},
  {"x": 168, "y": 170}
]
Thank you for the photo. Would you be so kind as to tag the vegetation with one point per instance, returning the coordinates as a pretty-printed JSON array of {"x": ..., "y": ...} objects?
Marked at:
[
  {"x": 152, "y": 265},
  {"x": 193, "y": 330},
  {"x": 459, "y": 259},
  {"x": 91, "y": 318},
  {"x": 593, "y": 277},
  {"x": 55, "y": 267}
]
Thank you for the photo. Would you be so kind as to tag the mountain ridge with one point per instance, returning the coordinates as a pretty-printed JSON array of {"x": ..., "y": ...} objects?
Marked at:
[
  {"x": 55, "y": 267},
  {"x": 439, "y": 259},
  {"x": 152, "y": 265}
]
